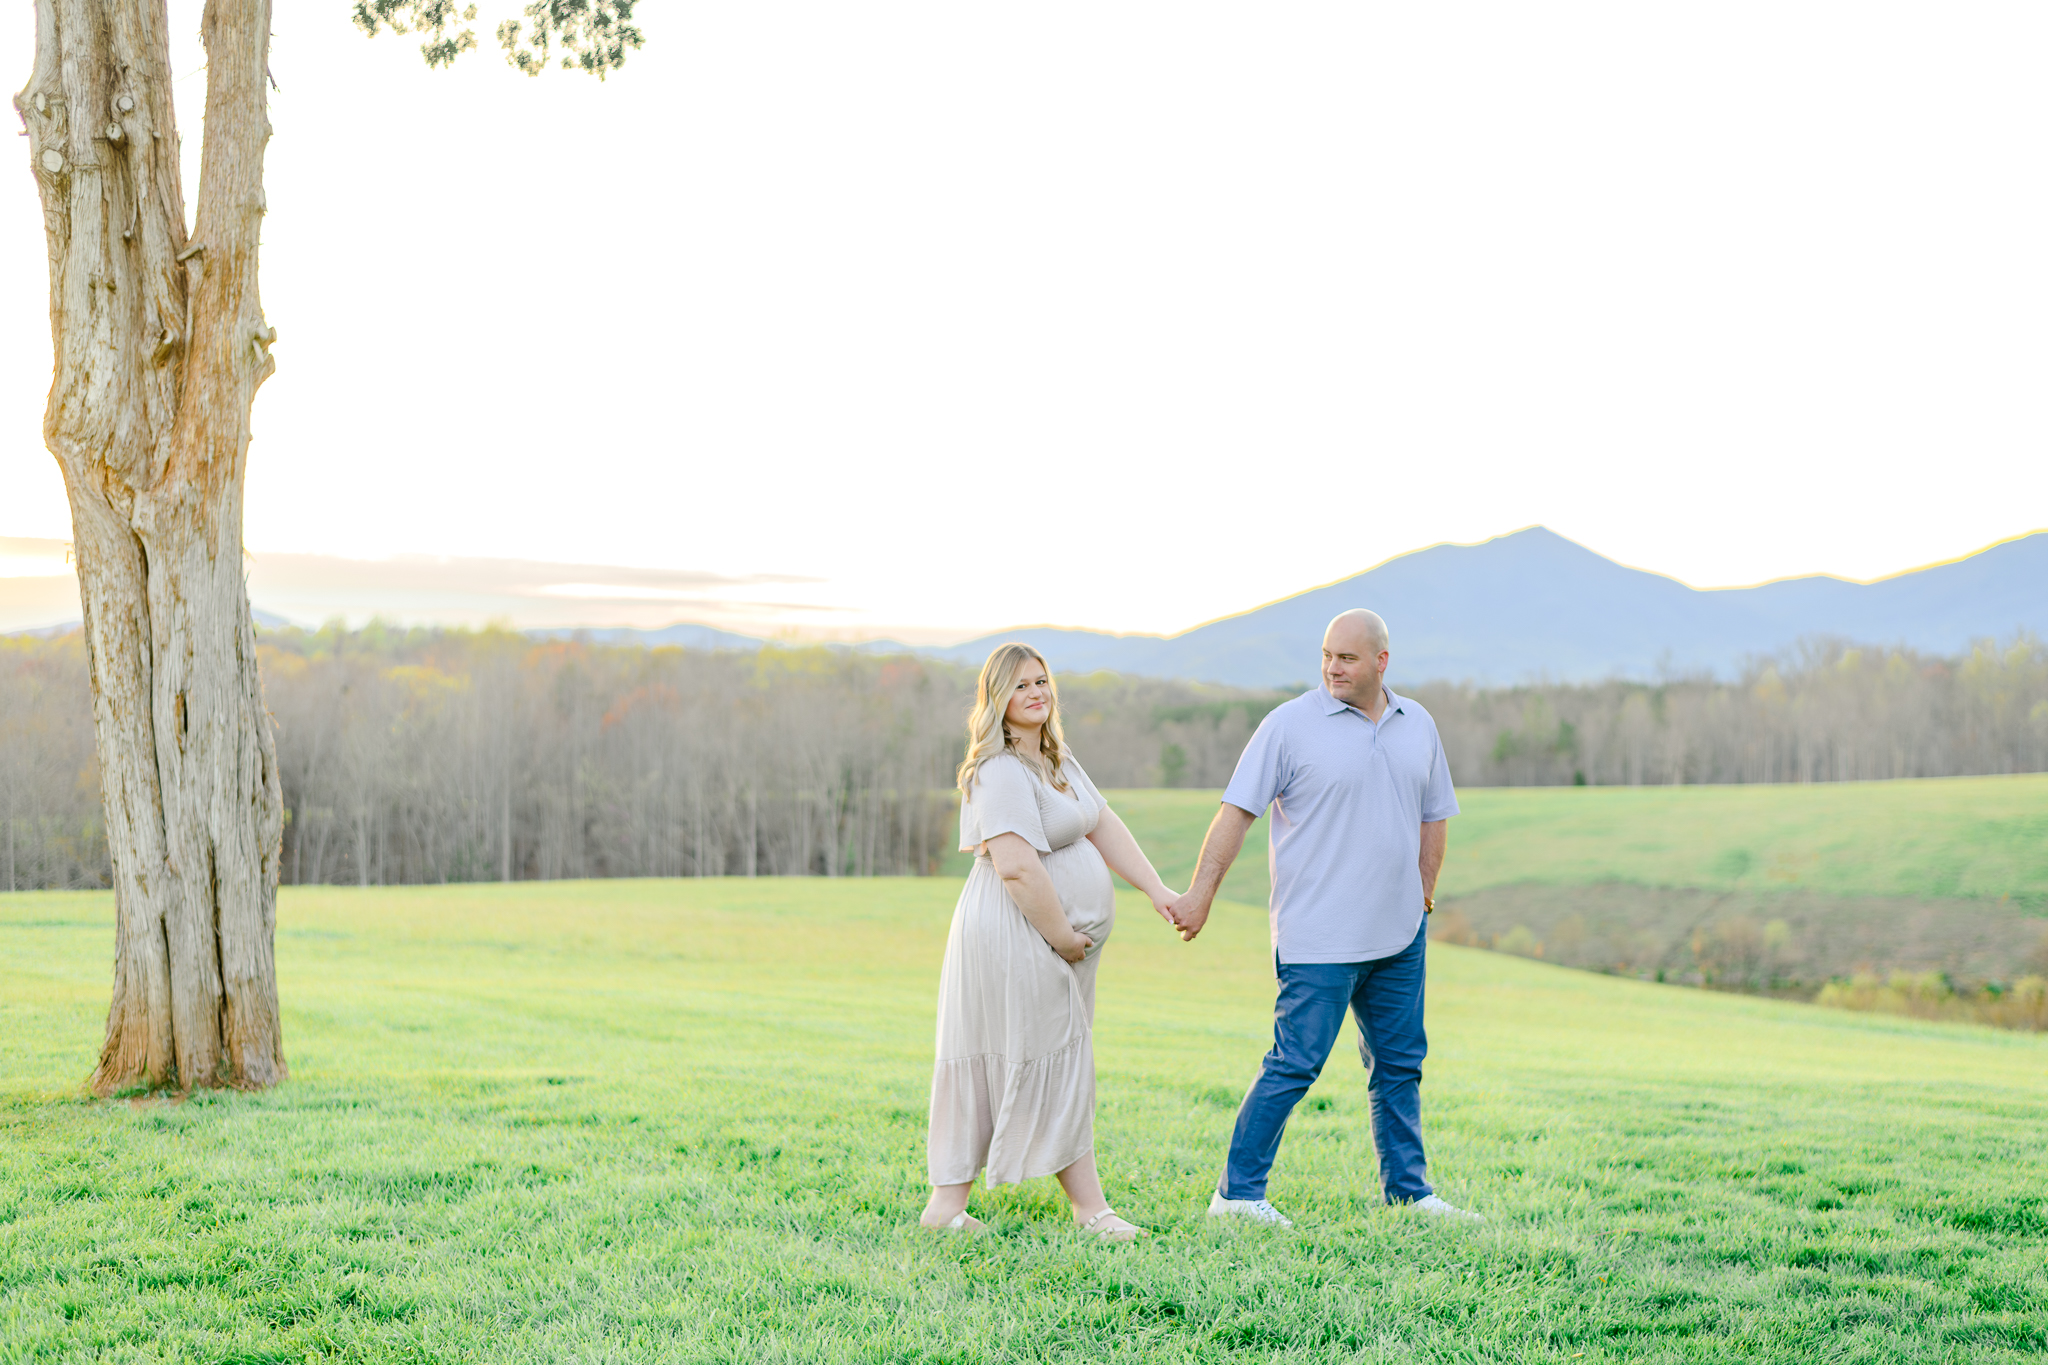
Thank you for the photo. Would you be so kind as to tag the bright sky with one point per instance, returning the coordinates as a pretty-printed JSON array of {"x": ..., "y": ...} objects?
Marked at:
[{"x": 872, "y": 317}]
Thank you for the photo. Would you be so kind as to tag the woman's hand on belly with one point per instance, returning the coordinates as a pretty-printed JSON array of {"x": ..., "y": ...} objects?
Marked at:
[{"x": 1032, "y": 892}]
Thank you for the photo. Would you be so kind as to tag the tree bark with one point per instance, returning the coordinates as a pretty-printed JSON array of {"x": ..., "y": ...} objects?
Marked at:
[{"x": 160, "y": 346}]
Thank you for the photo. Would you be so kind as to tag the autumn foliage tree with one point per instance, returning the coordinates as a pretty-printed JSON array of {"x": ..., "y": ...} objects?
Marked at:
[{"x": 160, "y": 344}]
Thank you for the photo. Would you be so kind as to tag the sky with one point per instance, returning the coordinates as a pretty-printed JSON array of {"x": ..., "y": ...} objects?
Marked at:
[{"x": 922, "y": 320}]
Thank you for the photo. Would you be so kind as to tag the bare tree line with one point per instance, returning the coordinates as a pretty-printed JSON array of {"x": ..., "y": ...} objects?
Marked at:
[
  {"x": 53, "y": 832},
  {"x": 451, "y": 756},
  {"x": 425, "y": 755},
  {"x": 1826, "y": 711}
]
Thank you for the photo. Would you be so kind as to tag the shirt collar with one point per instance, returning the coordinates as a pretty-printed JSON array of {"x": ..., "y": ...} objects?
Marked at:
[{"x": 1331, "y": 706}]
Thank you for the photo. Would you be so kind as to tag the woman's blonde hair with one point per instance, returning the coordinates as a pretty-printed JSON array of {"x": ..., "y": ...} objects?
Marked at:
[{"x": 988, "y": 736}]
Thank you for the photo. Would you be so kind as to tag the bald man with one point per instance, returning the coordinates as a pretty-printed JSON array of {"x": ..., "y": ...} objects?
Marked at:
[{"x": 1360, "y": 795}]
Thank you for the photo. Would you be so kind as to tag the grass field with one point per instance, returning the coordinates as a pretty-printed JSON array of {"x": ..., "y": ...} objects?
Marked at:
[
  {"x": 1961, "y": 838},
  {"x": 682, "y": 1121}
]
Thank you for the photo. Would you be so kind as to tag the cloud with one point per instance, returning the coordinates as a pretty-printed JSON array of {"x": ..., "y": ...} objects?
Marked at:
[
  {"x": 34, "y": 603},
  {"x": 518, "y": 577},
  {"x": 525, "y": 593},
  {"x": 421, "y": 589},
  {"x": 30, "y": 557}
]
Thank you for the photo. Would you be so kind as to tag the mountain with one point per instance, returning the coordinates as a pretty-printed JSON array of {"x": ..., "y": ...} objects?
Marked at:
[
  {"x": 1536, "y": 605},
  {"x": 1512, "y": 609},
  {"x": 691, "y": 636}
]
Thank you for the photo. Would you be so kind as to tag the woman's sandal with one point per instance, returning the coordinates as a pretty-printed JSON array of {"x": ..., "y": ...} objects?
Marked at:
[
  {"x": 1129, "y": 1232},
  {"x": 963, "y": 1221}
]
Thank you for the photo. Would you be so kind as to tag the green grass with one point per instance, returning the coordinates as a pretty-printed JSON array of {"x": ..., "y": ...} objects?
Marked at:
[
  {"x": 1961, "y": 838},
  {"x": 1170, "y": 823},
  {"x": 677, "y": 1121}
]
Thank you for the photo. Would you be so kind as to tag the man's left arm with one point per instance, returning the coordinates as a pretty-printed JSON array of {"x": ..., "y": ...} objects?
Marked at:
[
  {"x": 1439, "y": 800},
  {"x": 1436, "y": 835}
]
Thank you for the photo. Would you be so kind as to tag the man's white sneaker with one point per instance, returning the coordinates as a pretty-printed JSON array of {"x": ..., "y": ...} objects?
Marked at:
[
  {"x": 1436, "y": 1207},
  {"x": 1251, "y": 1210}
]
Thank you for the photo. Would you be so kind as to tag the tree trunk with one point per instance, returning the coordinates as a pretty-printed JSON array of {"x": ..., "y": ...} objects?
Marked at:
[{"x": 160, "y": 346}]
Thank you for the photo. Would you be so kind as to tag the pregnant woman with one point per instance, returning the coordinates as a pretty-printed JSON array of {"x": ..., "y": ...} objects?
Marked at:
[{"x": 1013, "y": 1090}]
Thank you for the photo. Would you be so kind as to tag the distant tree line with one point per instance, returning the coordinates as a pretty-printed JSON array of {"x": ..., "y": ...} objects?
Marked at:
[
  {"x": 428, "y": 755},
  {"x": 51, "y": 830},
  {"x": 438, "y": 755},
  {"x": 1827, "y": 711}
]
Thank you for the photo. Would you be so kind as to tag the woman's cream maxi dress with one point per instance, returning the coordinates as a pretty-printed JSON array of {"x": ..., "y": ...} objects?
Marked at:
[{"x": 1014, "y": 1085}]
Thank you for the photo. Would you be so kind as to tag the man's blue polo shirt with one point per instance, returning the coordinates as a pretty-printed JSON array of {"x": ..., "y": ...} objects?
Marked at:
[{"x": 1349, "y": 801}]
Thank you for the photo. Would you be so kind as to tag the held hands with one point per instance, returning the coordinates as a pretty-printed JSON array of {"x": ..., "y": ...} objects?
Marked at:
[
  {"x": 1190, "y": 913},
  {"x": 1187, "y": 912}
]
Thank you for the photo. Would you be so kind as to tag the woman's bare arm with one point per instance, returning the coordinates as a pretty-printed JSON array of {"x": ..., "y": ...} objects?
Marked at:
[
  {"x": 1119, "y": 848},
  {"x": 1030, "y": 886}
]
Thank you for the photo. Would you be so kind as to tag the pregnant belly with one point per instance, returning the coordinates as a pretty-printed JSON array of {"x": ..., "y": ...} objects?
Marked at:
[{"x": 1086, "y": 894}]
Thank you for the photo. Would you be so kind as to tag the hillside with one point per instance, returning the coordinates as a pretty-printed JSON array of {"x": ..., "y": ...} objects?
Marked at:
[
  {"x": 683, "y": 1121},
  {"x": 1686, "y": 883},
  {"x": 1960, "y": 839},
  {"x": 1514, "y": 609},
  {"x": 1533, "y": 605}
]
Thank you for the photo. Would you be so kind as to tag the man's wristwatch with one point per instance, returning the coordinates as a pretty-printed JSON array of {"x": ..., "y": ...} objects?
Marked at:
[{"x": 1429, "y": 905}]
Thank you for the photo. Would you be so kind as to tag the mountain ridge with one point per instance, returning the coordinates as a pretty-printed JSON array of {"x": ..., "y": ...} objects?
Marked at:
[
  {"x": 1525, "y": 606},
  {"x": 1534, "y": 605},
  {"x": 1463, "y": 612}
]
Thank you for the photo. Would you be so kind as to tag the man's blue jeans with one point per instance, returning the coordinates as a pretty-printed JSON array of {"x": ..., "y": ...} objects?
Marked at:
[{"x": 1386, "y": 996}]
